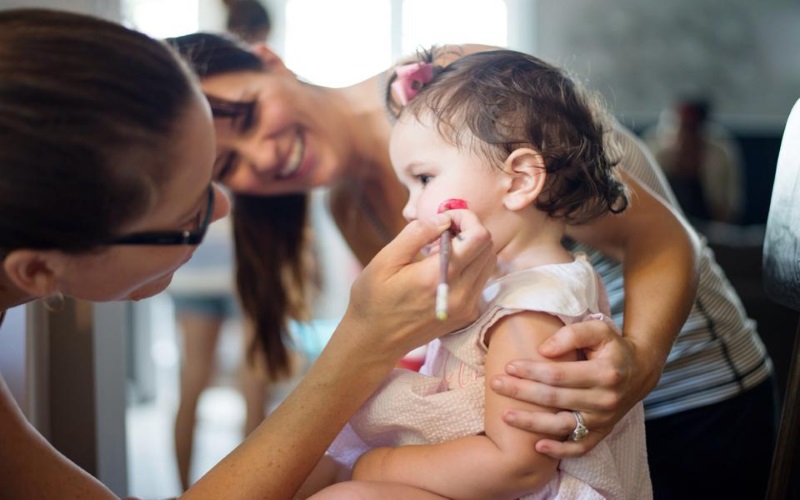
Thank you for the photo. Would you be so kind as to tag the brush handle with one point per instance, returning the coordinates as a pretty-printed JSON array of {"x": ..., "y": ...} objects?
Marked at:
[{"x": 445, "y": 247}]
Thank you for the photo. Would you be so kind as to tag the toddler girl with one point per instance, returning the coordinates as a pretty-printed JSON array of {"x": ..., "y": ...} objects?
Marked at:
[{"x": 525, "y": 147}]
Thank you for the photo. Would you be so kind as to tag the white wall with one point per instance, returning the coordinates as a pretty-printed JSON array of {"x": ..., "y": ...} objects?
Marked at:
[{"x": 642, "y": 53}]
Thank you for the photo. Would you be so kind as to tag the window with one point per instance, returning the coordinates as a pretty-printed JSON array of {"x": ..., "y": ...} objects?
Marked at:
[
  {"x": 329, "y": 43},
  {"x": 162, "y": 18},
  {"x": 439, "y": 22}
]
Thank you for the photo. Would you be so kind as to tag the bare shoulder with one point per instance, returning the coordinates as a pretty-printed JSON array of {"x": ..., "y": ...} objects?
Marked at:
[{"x": 524, "y": 331}]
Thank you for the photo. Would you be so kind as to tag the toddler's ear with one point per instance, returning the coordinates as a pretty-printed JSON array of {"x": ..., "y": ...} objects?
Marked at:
[{"x": 527, "y": 171}]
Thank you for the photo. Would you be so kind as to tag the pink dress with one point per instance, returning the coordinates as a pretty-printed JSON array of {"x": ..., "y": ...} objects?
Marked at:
[{"x": 445, "y": 400}]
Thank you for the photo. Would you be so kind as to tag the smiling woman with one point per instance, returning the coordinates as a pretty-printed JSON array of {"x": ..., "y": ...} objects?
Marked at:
[{"x": 281, "y": 137}]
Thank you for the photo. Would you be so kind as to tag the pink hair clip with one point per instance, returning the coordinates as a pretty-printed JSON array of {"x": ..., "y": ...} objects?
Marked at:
[{"x": 410, "y": 80}]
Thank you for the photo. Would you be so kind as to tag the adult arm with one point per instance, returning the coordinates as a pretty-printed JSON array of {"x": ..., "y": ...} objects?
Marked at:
[
  {"x": 500, "y": 463},
  {"x": 390, "y": 313},
  {"x": 31, "y": 468},
  {"x": 659, "y": 252}
]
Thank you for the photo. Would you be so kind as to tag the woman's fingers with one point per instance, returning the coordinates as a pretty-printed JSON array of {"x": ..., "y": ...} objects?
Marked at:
[
  {"x": 601, "y": 387},
  {"x": 398, "y": 291},
  {"x": 576, "y": 385},
  {"x": 407, "y": 245},
  {"x": 473, "y": 262},
  {"x": 559, "y": 424},
  {"x": 473, "y": 241},
  {"x": 586, "y": 335}
]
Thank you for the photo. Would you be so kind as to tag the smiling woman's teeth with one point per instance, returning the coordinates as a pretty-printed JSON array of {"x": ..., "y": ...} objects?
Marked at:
[{"x": 295, "y": 157}]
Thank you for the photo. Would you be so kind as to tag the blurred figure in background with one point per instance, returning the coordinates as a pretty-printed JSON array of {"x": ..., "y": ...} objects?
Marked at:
[
  {"x": 249, "y": 20},
  {"x": 204, "y": 299},
  {"x": 701, "y": 160},
  {"x": 204, "y": 303}
]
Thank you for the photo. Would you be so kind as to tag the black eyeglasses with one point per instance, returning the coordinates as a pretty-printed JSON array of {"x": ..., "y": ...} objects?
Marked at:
[{"x": 193, "y": 237}]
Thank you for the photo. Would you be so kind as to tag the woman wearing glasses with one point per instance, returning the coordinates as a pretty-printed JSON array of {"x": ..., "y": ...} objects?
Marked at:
[{"x": 105, "y": 189}]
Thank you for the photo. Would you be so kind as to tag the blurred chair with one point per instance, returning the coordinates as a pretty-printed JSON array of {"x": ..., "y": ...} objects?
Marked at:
[{"x": 782, "y": 283}]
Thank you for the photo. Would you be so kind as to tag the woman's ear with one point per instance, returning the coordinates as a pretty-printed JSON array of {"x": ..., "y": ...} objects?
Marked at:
[
  {"x": 528, "y": 174},
  {"x": 33, "y": 271},
  {"x": 271, "y": 61}
]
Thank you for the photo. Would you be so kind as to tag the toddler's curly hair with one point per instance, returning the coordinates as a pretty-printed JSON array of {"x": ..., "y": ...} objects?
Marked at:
[{"x": 497, "y": 101}]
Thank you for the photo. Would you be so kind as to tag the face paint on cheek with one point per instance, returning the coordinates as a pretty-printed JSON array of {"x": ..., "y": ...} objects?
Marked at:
[{"x": 452, "y": 204}]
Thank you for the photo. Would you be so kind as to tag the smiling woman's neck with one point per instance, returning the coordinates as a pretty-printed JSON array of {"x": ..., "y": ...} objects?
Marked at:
[{"x": 363, "y": 111}]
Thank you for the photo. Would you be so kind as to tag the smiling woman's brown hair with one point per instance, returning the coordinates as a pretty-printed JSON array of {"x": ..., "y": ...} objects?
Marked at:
[
  {"x": 82, "y": 145},
  {"x": 270, "y": 232}
]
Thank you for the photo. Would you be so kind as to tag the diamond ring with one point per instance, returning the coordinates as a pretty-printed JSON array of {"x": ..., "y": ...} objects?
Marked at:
[{"x": 580, "y": 432}]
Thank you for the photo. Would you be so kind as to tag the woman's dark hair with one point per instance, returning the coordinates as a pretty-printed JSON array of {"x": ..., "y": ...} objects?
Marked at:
[
  {"x": 497, "y": 101},
  {"x": 270, "y": 232},
  {"x": 88, "y": 109}
]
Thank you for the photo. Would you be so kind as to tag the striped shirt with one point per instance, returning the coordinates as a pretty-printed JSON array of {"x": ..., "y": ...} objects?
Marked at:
[{"x": 718, "y": 353}]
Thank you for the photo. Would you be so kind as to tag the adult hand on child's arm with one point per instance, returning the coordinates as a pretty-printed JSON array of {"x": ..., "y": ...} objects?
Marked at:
[
  {"x": 400, "y": 294},
  {"x": 603, "y": 388},
  {"x": 659, "y": 252}
]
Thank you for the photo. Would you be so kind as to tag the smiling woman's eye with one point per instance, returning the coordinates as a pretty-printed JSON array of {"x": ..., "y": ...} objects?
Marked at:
[
  {"x": 240, "y": 113},
  {"x": 224, "y": 164},
  {"x": 244, "y": 120}
]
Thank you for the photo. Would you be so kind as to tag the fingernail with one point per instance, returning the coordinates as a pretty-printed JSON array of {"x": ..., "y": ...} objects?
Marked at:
[
  {"x": 511, "y": 369},
  {"x": 496, "y": 383},
  {"x": 509, "y": 417}
]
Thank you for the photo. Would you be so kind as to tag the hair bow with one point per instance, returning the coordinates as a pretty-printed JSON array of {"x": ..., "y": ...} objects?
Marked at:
[{"x": 410, "y": 80}]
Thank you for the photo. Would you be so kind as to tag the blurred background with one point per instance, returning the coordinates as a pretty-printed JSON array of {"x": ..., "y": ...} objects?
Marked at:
[{"x": 728, "y": 70}]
